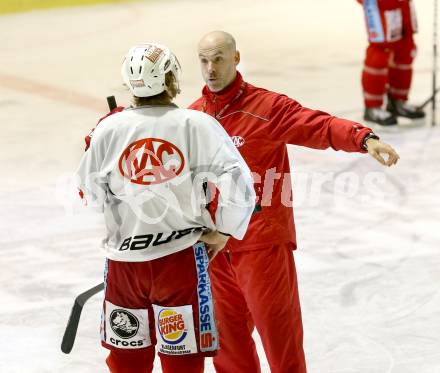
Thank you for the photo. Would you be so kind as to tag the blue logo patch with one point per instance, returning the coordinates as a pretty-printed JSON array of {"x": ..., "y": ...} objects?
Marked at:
[
  {"x": 374, "y": 23},
  {"x": 208, "y": 337}
]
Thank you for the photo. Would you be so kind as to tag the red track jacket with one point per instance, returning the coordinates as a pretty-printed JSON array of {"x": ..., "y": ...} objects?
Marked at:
[{"x": 261, "y": 123}]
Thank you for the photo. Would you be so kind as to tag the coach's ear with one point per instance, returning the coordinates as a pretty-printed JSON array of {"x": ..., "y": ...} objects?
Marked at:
[{"x": 237, "y": 58}]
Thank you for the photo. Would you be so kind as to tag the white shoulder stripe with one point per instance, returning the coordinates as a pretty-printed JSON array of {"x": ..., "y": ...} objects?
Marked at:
[{"x": 245, "y": 112}]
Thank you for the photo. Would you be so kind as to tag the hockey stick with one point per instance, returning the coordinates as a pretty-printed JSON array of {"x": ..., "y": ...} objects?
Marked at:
[
  {"x": 75, "y": 314},
  {"x": 434, "y": 70},
  {"x": 428, "y": 100},
  {"x": 111, "y": 101}
]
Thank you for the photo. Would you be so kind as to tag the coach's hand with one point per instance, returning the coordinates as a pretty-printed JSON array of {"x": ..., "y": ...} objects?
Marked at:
[
  {"x": 376, "y": 148},
  {"x": 215, "y": 242}
]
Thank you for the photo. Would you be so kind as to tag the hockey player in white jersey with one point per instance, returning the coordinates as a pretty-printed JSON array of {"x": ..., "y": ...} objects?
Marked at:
[{"x": 145, "y": 169}]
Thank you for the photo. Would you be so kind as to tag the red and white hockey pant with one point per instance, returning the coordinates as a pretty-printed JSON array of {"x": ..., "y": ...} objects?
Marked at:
[
  {"x": 388, "y": 69},
  {"x": 164, "y": 303},
  {"x": 390, "y": 54}
]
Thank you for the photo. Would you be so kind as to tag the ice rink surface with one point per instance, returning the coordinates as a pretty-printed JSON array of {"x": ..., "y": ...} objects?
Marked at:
[{"x": 369, "y": 238}]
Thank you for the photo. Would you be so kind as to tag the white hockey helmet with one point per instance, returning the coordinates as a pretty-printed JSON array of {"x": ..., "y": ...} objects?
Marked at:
[{"x": 145, "y": 66}]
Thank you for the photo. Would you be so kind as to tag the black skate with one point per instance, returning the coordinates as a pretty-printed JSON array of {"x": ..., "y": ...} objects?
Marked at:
[
  {"x": 401, "y": 108},
  {"x": 380, "y": 116}
]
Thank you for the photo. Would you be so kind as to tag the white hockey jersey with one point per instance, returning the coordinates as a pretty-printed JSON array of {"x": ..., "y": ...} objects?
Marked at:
[{"x": 146, "y": 170}]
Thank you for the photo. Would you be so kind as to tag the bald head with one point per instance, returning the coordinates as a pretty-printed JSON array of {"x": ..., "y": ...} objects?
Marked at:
[
  {"x": 217, "y": 39},
  {"x": 218, "y": 59}
]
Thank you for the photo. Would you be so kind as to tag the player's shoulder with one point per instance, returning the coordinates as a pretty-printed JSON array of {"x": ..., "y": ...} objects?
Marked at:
[
  {"x": 195, "y": 118},
  {"x": 197, "y": 114},
  {"x": 199, "y": 122},
  {"x": 108, "y": 124},
  {"x": 112, "y": 119}
]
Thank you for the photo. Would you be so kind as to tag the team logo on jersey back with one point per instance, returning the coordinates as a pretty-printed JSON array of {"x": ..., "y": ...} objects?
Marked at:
[
  {"x": 123, "y": 323},
  {"x": 151, "y": 161}
]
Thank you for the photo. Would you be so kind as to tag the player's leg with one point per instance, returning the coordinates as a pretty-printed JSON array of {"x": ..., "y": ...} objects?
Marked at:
[
  {"x": 131, "y": 362},
  {"x": 381, "y": 30},
  {"x": 401, "y": 69},
  {"x": 269, "y": 283},
  {"x": 401, "y": 72},
  {"x": 187, "y": 364},
  {"x": 375, "y": 75},
  {"x": 374, "y": 84},
  {"x": 127, "y": 328},
  {"x": 183, "y": 310},
  {"x": 237, "y": 352}
]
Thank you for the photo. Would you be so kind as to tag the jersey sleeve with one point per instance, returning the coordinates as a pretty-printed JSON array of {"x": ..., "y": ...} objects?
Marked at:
[
  {"x": 91, "y": 179},
  {"x": 215, "y": 158},
  {"x": 295, "y": 124}
]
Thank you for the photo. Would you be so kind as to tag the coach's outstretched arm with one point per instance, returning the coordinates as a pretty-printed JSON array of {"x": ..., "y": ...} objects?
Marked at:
[{"x": 299, "y": 125}]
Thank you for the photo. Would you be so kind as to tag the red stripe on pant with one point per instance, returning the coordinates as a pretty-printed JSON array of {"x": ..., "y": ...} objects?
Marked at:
[
  {"x": 374, "y": 80},
  {"x": 397, "y": 58},
  {"x": 257, "y": 288},
  {"x": 401, "y": 71}
]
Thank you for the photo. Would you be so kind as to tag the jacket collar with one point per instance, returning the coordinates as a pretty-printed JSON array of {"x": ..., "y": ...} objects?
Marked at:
[{"x": 226, "y": 94}]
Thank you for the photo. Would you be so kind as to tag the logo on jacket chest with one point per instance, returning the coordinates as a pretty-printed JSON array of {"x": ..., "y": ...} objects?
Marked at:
[
  {"x": 238, "y": 141},
  {"x": 151, "y": 161}
]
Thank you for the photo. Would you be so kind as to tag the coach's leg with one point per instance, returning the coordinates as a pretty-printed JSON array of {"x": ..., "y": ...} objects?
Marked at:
[
  {"x": 237, "y": 352},
  {"x": 269, "y": 283}
]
